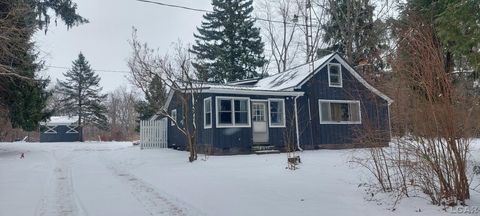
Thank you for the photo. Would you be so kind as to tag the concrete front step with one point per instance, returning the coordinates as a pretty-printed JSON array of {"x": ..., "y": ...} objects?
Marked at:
[
  {"x": 265, "y": 149},
  {"x": 267, "y": 152}
]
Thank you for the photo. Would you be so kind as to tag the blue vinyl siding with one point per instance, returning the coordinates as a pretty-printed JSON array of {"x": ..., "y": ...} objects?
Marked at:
[
  {"x": 374, "y": 110},
  {"x": 225, "y": 140},
  {"x": 374, "y": 116}
]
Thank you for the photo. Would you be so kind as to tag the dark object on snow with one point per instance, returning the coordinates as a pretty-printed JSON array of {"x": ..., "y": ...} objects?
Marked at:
[
  {"x": 476, "y": 169},
  {"x": 22, "y": 155},
  {"x": 294, "y": 160}
]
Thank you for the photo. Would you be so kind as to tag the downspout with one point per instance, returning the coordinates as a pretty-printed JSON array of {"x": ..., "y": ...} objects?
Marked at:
[
  {"x": 389, "y": 120},
  {"x": 296, "y": 124}
]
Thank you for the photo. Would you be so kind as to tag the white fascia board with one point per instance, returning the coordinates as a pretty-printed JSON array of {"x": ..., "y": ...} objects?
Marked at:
[
  {"x": 363, "y": 81},
  {"x": 169, "y": 99},
  {"x": 253, "y": 92},
  {"x": 354, "y": 74}
]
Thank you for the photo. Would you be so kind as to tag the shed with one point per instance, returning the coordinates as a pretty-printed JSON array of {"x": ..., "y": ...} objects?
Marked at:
[{"x": 60, "y": 129}]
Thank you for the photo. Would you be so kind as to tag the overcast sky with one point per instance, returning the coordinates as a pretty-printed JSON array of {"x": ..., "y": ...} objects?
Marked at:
[{"x": 104, "y": 41}]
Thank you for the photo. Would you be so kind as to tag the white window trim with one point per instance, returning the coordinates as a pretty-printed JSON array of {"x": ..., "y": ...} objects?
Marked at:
[
  {"x": 205, "y": 126},
  {"x": 340, "y": 73},
  {"x": 172, "y": 122},
  {"x": 270, "y": 115},
  {"x": 233, "y": 125},
  {"x": 340, "y": 122}
]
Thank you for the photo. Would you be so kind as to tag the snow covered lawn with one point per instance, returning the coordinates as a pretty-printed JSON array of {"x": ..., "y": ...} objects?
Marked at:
[{"x": 120, "y": 179}]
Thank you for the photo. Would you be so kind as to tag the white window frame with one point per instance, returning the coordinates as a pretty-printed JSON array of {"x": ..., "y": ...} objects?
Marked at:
[
  {"x": 234, "y": 124},
  {"x": 270, "y": 114},
  {"x": 340, "y": 75},
  {"x": 340, "y": 101},
  {"x": 174, "y": 116},
  {"x": 205, "y": 126}
]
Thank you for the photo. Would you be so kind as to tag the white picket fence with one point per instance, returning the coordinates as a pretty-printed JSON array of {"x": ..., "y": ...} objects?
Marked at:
[{"x": 153, "y": 134}]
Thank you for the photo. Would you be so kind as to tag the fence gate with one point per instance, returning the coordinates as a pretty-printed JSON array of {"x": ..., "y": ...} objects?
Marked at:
[{"x": 153, "y": 134}]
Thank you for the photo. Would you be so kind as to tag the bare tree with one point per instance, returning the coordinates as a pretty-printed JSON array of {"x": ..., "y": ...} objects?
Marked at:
[
  {"x": 282, "y": 36},
  {"x": 175, "y": 72},
  {"x": 312, "y": 16},
  {"x": 121, "y": 113},
  {"x": 145, "y": 66},
  {"x": 12, "y": 36},
  {"x": 432, "y": 156}
]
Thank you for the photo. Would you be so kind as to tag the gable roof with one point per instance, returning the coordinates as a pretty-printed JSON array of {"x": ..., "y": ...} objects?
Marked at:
[
  {"x": 60, "y": 120},
  {"x": 292, "y": 77},
  {"x": 296, "y": 77},
  {"x": 284, "y": 83},
  {"x": 361, "y": 80}
]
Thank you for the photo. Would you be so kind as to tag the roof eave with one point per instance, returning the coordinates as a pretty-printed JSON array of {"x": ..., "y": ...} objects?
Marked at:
[{"x": 253, "y": 92}]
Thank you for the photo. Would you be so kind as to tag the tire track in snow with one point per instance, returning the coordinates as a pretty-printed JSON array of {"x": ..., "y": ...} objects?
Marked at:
[
  {"x": 155, "y": 203},
  {"x": 61, "y": 200}
]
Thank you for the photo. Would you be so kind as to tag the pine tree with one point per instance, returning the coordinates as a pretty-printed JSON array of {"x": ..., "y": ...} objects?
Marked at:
[
  {"x": 228, "y": 47},
  {"x": 156, "y": 97},
  {"x": 23, "y": 93},
  {"x": 456, "y": 26},
  {"x": 352, "y": 31},
  {"x": 82, "y": 94}
]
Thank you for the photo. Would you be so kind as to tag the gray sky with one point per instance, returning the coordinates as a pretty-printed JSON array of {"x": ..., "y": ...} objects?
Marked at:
[{"x": 104, "y": 41}]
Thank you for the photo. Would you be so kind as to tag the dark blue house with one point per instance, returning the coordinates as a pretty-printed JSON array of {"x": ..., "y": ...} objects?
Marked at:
[
  {"x": 60, "y": 129},
  {"x": 331, "y": 107}
]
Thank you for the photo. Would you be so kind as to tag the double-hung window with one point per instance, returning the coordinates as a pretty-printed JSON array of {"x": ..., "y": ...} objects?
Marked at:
[
  {"x": 277, "y": 112},
  {"x": 233, "y": 112},
  {"x": 207, "y": 111},
  {"x": 340, "y": 112},
  {"x": 334, "y": 75},
  {"x": 173, "y": 114}
]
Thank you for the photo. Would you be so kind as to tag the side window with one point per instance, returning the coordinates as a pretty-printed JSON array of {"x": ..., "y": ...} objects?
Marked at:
[
  {"x": 277, "y": 112},
  {"x": 174, "y": 116},
  {"x": 334, "y": 75},
  {"x": 241, "y": 111},
  {"x": 340, "y": 112},
  {"x": 207, "y": 110},
  {"x": 225, "y": 111}
]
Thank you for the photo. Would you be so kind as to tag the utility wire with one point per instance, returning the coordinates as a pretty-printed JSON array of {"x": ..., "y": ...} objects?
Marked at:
[
  {"x": 208, "y": 11},
  {"x": 96, "y": 70}
]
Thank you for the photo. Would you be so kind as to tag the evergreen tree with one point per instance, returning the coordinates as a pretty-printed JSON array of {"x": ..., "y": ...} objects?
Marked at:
[
  {"x": 456, "y": 26},
  {"x": 156, "y": 96},
  {"x": 82, "y": 94},
  {"x": 228, "y": 47},
  {"x": 22, "y": 91},
  {"x": 352, "y": 31}
]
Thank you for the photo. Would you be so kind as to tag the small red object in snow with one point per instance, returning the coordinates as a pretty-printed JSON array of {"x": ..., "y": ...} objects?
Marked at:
[{"x": 22, "y": 156}]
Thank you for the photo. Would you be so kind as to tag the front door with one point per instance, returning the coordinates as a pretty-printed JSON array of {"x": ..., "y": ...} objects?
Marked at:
[{"x": 260, "y": 122}]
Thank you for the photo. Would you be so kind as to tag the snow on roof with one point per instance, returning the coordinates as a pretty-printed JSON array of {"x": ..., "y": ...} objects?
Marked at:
[
  {"x": 290, "y": 78},
  {"x": 276, "y": 82},
  {"x": 61, "y": 120}
]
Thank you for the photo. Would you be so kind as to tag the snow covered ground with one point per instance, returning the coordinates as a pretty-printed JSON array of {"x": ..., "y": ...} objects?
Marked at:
[{"x": 120, "y": 179}]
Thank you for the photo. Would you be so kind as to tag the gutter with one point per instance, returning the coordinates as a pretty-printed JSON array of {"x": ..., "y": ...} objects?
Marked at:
[
  {"x": 252, "y": 92},
  {"x": 296, "y": 124}
]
